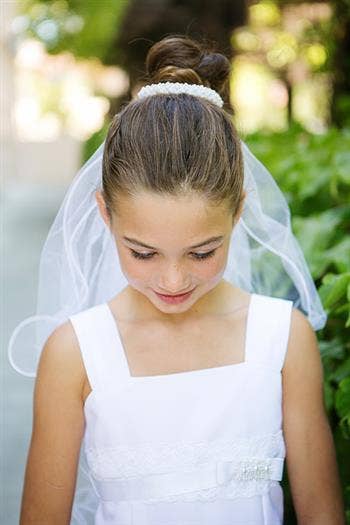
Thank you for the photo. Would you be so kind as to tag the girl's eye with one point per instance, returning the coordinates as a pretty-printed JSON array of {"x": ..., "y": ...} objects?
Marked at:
[
  {"x": 144, "y": 256},
  {"x": 204, "y": 255},
  {"x": 138, "y": 255}
]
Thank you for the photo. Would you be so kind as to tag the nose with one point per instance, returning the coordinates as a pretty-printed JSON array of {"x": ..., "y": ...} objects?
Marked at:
[{"x": 174, "y": 281}]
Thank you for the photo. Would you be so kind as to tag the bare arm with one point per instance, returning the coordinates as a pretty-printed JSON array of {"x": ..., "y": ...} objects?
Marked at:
[
  {"x": 310, "y": 452},
  {"x": 58, "y": 426}
]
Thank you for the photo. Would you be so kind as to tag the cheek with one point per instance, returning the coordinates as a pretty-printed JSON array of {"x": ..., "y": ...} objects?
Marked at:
[
  {"x": 212, "y": 268},
  {"x": 132, "y": 268}
]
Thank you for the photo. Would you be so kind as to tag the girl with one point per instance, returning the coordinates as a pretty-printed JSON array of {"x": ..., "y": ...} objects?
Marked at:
[{"x": 169, "y": 276}]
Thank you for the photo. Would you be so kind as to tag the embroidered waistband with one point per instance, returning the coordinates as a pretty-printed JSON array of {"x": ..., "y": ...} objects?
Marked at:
[{"x": 179, "y": 482}]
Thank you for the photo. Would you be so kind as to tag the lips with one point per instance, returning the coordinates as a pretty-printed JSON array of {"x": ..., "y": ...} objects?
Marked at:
[
  {"x": 176, "y": 295},
  {"x": 175, "y": 299}
]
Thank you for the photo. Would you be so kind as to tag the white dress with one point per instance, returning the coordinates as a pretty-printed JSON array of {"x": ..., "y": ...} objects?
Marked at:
[{"x": 202, "y": 447}]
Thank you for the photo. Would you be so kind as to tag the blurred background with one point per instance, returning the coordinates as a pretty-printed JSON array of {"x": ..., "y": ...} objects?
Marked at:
[{"x": 67, "y": 66}]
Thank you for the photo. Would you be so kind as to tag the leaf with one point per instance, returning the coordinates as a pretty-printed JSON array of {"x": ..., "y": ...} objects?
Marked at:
[
  {"x": 328, "y": 396},
  {"x": 316, "y": 235},
  {"x": 333, "y": 288},
  {"x": 342, "y": 398},
  {"x": 341, "y": 372},
  {"x": 339, "y": 254},
  {"x": 342, "y": 165},
  {"x": 342, "y": 404},
  {"x": 333, "y": 349}
]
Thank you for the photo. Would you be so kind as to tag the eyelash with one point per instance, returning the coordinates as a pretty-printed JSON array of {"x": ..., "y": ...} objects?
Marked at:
[{"x": 198, "y": 256}]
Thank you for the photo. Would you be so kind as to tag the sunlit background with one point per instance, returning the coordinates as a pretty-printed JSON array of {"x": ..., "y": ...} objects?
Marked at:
[
  {"x": 278, "y": 71},
  {"x": 61, "y": 88},
  {"x": 67, "y": 66}
]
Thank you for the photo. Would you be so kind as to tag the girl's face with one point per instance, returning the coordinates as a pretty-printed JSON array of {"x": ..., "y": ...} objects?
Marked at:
[{"x": 170, "y": 245}]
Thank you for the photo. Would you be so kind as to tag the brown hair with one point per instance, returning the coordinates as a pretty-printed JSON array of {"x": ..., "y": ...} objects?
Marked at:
[{"x": 176, "y": 143}]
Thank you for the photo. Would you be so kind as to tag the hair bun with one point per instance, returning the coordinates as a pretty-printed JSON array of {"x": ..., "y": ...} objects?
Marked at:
[
  {"x": 183, "y": 59},
  {"x": 177, "y": 74},
  {"x": 216, "y": 68}
]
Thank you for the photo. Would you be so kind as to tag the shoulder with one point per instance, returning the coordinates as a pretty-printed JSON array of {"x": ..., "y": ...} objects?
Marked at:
[
  {"x": 302, "y": 372},
  {"x": 302, "y": 347},
  {"x": 62, "y": 344},
  {"x": 61, "y": 359}
]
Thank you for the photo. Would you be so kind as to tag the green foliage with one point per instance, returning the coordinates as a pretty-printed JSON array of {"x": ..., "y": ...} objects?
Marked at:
[
  {"x": 86, "y": 29},
  {"x": 342, "y": 402},
  {"x": 313, "y": 171}
]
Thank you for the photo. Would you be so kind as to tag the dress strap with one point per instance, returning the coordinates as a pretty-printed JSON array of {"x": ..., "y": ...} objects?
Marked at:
[
  {"x": 268, "y": 329},
  {"x": 100, "y": 348}
]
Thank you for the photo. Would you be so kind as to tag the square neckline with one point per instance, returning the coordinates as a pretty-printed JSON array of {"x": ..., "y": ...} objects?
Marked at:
[{"x": 184, "y": 373}]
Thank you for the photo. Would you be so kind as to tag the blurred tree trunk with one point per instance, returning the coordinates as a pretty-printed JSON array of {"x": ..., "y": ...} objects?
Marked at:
[
  {"x": 146, "y": 21},
  {"x": 340, "y": 67}
]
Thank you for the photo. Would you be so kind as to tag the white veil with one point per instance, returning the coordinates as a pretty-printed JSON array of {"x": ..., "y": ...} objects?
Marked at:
[{"x": 79, "y": 268}]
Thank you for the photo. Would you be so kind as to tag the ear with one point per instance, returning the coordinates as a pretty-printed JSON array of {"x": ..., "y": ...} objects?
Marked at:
[{"x": 102, "y": 207}]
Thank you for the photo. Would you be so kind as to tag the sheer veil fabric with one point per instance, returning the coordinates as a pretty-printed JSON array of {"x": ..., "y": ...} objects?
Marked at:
[{"x": 79, "y": 265}]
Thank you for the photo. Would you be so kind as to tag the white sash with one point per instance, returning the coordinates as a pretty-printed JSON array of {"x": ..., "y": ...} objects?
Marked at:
[{"x": 179, "y": 482}]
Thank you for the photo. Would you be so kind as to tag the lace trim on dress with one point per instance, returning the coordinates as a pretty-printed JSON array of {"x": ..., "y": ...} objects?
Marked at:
[{"x": 124, "y": 462}]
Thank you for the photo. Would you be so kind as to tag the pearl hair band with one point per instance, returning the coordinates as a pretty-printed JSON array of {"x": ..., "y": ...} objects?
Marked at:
[{"x": 181, "y": 87}]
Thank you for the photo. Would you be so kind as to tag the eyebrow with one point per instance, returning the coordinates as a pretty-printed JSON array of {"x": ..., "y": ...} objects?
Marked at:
[{"x": 139, "y": 243}]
